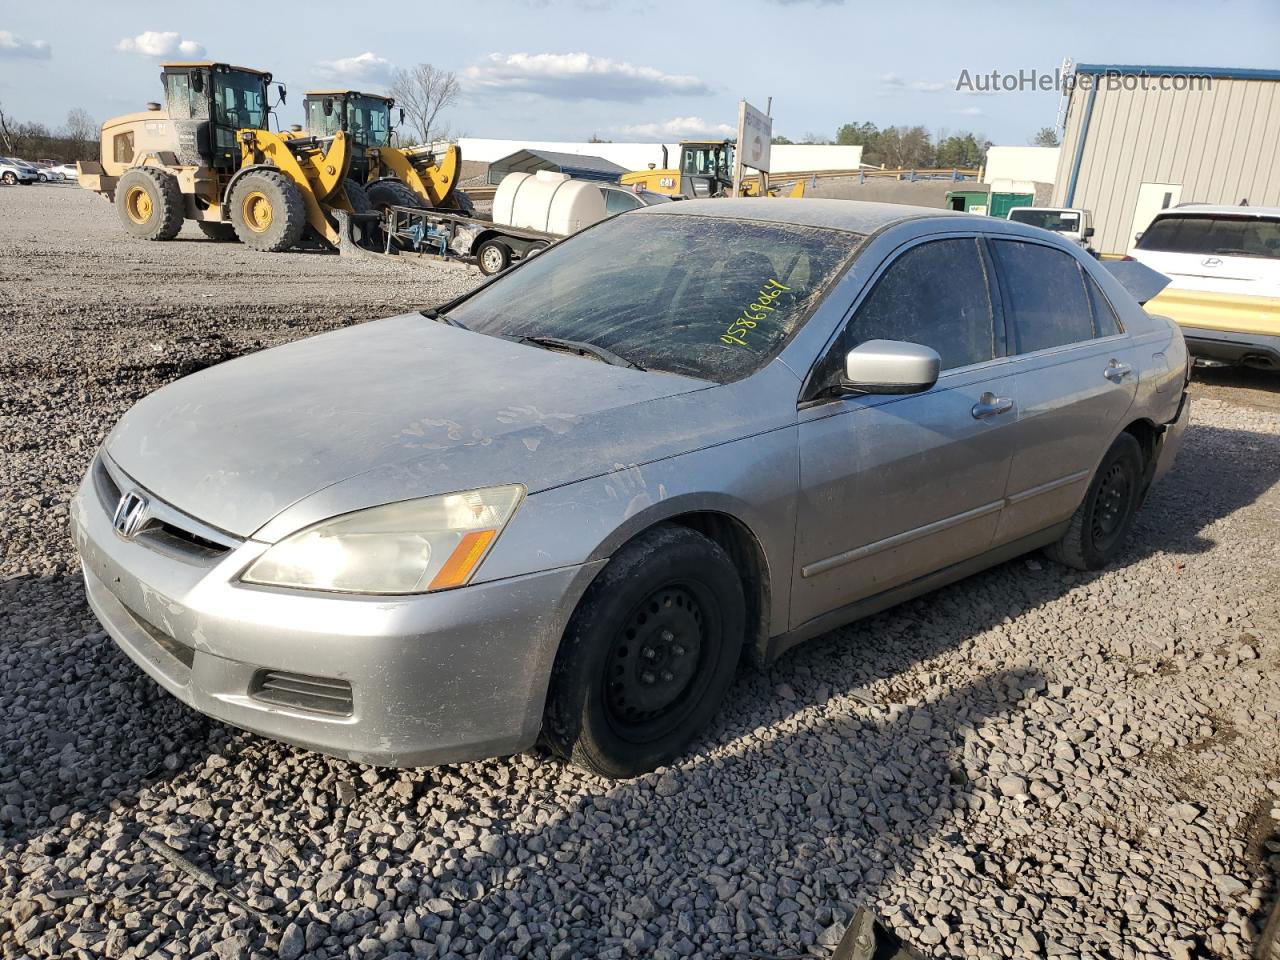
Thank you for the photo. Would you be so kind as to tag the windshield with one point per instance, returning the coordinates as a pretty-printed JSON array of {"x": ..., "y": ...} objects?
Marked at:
[
  {"x": 1060, "y": 221},
  {"x": 368, "y": 120},
  {"x": 712, "y": 161},
  {"x": 239, "y": 101},
  {"x": 697, "y": 296},
  {"x": 318, "y": 123},
  {"x": 1214, "y": 236}
]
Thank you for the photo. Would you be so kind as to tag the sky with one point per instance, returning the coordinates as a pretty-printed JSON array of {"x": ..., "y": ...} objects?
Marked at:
[{"x": 623, "y": 70}]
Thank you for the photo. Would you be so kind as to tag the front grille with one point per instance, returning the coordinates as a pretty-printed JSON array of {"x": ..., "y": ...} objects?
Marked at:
[
  {"x": 167, "y": 529},
  {"x": 315, "y": 694}
]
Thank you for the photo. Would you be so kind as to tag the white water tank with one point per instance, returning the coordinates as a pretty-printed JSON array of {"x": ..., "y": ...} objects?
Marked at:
[{"x": 547, "y": 201}]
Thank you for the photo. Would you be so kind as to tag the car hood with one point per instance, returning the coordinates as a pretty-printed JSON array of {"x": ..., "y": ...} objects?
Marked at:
[{"x": 440, "y": 408}]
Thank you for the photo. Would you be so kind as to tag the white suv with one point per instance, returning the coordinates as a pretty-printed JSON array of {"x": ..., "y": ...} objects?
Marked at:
[
  {"x": 16, "y": 171},
  {"x": 1223, "y": 265}
]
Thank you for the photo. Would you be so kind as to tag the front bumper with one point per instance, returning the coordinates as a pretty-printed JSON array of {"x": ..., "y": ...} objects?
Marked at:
[{"x": 437, "y": 678}]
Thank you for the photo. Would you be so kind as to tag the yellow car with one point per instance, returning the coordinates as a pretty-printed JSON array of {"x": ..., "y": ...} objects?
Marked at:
[{"x": 1223, "y": 264}]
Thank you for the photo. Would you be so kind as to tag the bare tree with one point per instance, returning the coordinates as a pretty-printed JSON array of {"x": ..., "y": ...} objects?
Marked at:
[
  {"x": 423, "y": 92},
  {"x": 6, "y": 132},
  {"x": 82, "y": 131}
]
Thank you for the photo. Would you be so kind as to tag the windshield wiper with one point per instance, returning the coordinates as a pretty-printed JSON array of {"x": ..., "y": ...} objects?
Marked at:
[
  {"x": 580, "y": 347},
  {"x": 433, "y": 314}
]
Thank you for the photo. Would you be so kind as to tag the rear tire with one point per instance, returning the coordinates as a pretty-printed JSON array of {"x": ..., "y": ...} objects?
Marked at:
[
  {"x": 494, "y": 256},
  {"x": 392, "y": 193},
  {"x": 648, "y": 654},
  {"x": 1101, "y": 524},
  {"x": 149, "y": 204},
  {"x": 267, "y": 211},
  {"x": 216, "y": 231},
  {"x": 463, "y": 204}
]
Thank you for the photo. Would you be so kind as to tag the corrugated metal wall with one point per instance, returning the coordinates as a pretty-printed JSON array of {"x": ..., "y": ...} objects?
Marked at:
[{"x": 1221, "y": 144}]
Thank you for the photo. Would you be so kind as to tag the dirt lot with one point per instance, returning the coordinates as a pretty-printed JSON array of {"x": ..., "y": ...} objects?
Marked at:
[{"x": 1029, "y": 763}]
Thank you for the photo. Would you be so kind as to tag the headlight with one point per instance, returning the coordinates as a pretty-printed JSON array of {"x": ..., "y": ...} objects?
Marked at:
[{"x": 414, "y": 546}]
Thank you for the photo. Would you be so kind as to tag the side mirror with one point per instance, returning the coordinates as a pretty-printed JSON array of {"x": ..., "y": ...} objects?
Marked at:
[
  {"x": 891, "y": 366},
  {"x": 1088, "y": 232},
  {"x": 402, "y": 115},
  {"x": 284, "y": 94},
  {"x": 328, "y": 106}
]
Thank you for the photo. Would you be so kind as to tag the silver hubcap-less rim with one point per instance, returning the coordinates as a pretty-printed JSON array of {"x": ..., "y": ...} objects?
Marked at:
[{"x": 492, "y": 259}]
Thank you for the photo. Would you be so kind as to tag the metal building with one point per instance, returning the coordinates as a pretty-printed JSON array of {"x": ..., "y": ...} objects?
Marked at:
[
  {"x": 578, "y": 166},
  {"x": 1139, "y": 139}
]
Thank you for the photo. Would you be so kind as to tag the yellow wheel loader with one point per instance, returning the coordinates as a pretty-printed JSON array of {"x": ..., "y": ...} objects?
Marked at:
[
  {"x": 208, "y": 156},
  {"x": 392, "y": 176},
  {"x": 705, "y": 169}
]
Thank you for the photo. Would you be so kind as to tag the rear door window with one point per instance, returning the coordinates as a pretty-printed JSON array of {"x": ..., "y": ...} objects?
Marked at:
[
  {"x": 935, "y": 294},
  {"x": 1045, "y": 295}
]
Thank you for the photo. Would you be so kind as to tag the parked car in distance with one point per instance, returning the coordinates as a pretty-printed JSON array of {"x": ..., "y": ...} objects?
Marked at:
[
  {"x": 13, "y": 170},
  {"x": 46, "y": 172},
  {"x": 69, "y": 171},
  {"x": 1223, "y": 265},
  {"x": 566, "y": 505},
  {"x": 1074, "y": 223}
]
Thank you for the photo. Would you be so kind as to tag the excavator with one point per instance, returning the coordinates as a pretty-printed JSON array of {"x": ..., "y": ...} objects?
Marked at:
[
  {"x": 705, "y": 169},
  {"x": 207, "y": 155},
  {"x": 419, "y": 176}
]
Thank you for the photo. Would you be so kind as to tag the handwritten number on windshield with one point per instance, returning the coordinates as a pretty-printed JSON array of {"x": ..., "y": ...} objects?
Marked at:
[{"x": 754, "y": 313}]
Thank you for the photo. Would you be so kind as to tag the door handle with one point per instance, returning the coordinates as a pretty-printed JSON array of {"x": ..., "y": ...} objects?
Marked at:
[
  {"x": 1117, "y": 371},
  {"x": 989, "y": 405}
]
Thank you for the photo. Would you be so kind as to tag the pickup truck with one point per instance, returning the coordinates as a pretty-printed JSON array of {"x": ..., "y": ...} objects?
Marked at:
[{"x": 1072, "y": 222}]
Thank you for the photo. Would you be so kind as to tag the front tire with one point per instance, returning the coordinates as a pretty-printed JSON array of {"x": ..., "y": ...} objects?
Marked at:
[
  {"x": 10, "y": 178},
  {"x": 149, "y": 204},
  {"x": 267, "y": 211},
  {"x": 1101, "y": 524},
  {"x": 392, "y": 193},
  {"x": 648, "y": 654}
]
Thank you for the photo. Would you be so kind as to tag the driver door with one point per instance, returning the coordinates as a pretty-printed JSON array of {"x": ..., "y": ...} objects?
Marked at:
[{"x": 895, "y": 487}]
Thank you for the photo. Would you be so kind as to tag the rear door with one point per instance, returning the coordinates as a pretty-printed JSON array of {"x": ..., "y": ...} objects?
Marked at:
[
  {"x": 1075, "y": 378},
  {"x": 895, "y": 487}
]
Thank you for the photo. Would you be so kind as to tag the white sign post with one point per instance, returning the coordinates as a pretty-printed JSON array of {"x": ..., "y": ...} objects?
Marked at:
[{"x": 755, "y": 140}]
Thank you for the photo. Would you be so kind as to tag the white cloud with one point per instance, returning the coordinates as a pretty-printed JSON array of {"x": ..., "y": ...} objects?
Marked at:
[
  {"x": 160, "y": 43},
  {"x": 577, "y": 76},
  {"x": 892, "y": 81},
  {"x": 366, "y": 67},
  {"x": 13, "y": 46},
  {"x": 688, "y": 127}
]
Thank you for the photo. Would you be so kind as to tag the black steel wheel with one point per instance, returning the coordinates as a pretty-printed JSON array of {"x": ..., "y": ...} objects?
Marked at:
[
  {"x": 648, "y": 654},
  {"x": 1101, "y": 523}
]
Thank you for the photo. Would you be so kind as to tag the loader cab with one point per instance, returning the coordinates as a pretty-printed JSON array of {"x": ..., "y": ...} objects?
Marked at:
[
  {"x": 364, "y": 117},
  {"x": 706, "y": 167},
  {"x": 208, "y": 103}
]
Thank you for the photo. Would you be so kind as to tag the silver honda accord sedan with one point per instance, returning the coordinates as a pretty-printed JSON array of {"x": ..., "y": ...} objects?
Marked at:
[{"x": 564, "y": 507}]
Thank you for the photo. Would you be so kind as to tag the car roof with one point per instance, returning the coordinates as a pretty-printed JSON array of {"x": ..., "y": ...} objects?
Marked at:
[
  {"x": 1220, "y": 209},
  {"x": 857, "y": 216}
]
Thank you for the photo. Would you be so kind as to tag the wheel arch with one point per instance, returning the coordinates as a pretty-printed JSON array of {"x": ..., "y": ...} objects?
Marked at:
[
  {"x": 724, "y": 526},
  {"x": 241, "y": 174},
  {"x": 1148, "y": 436}
]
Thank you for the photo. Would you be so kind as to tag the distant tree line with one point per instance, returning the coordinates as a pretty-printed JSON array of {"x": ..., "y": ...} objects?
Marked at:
[
  {"x": 77, "y": 139},
  {"x": 906, "y": 148}
]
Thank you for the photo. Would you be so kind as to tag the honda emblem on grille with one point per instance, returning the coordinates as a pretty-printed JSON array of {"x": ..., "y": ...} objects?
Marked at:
[{"x": 131, "y": 515}]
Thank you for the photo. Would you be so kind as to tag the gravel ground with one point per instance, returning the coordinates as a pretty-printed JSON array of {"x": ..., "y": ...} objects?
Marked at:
[{"x": 1029, "y": 763}]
